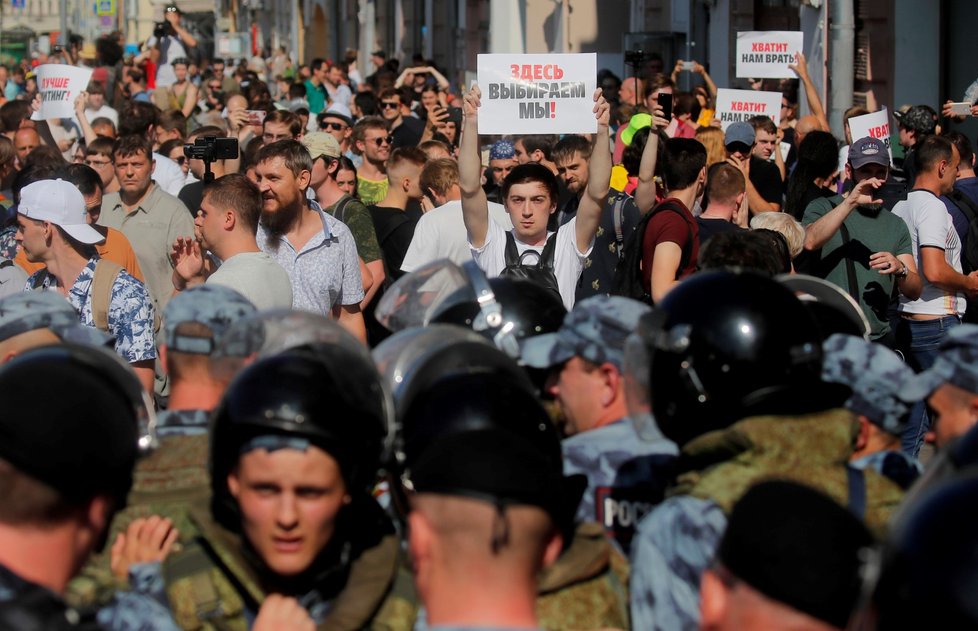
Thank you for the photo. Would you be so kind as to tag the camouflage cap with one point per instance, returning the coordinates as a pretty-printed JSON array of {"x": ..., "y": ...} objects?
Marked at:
[
  {"x": 33, "y": 310},
  {"x": 877, "y": 376},
  {"x": 919, "y": 118},
  {"x": 215, "y": 306},
  {"x": 595, "y": 330},
  {"x": 956, "y": 364}
]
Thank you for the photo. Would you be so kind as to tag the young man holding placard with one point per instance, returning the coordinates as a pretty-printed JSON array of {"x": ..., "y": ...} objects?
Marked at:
[{"x": 529, "y": 194}]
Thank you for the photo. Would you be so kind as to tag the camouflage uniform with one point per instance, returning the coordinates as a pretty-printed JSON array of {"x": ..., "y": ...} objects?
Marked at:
[
  {"x": 626, "y": 474},
  {"x": 677, "y": 540},
  {"x": 956, "y": 364},
  {"x": 29, "y": 311}
]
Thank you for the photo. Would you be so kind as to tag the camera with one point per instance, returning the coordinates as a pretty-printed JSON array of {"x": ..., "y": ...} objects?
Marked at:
[
  {"x": 636, "y": 57},
  {"x": 209, "y": 149},
  {"x": 163, "y": 29}
]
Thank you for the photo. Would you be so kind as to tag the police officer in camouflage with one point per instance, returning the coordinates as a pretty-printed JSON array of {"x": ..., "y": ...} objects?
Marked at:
[
  {"x": 740, "y": 393},
  {"x": 626, "y": 474},
  {"x": 57, "y": 497},
  {"x": 880, "y": 382},
  {"x": 38, "y": 318}
]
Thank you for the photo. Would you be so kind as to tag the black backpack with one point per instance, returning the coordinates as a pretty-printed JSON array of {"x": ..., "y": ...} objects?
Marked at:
[
  {"x": 628, "y": 274},
  {"x": 969, "y": 251},
  {"x": 542, "y": 273}
]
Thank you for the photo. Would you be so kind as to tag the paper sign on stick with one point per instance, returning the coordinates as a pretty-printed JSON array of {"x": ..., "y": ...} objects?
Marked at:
[
  {"x": 766, "y": 54},
  {"x": 59, "y": 85},
  {"x": 874, "y": 125},
  {"x": 743, "y": 105},
  {"x": 537, "y": 94}
]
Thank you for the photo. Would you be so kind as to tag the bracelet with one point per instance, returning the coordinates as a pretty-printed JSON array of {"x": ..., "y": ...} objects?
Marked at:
[{"x": 903, "y": 273}]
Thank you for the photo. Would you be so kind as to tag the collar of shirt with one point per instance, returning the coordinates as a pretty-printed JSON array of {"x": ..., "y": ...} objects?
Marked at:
[
  {"x": 148, "y": 200},
  {"x": 78, "y": 292},
  {"x": 314, "y": 207}
]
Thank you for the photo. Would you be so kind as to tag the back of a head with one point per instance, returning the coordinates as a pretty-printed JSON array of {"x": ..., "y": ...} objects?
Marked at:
[
  {"x": 721, "y": 352},
  {"x": 439, "y": 175},
  {"x": 724, "y": 182},
  {"x": 405, "y": 156},
  {"x": 964, "y": 147},
  {"x": 84, "y": 178},
  {"x": 135, "y": 117},
  {"x": 540, "y": 142},
  {"x": 931, "y": 151},
  {"x": 744, "y": 250},
  {"x": 685, "y": 158},
  {"x": 12, "y": 113}
]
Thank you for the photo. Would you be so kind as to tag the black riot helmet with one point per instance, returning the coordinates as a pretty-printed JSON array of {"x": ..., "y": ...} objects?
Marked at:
[
  {"x": 728, "y": 345},
  {"x": 469, "y": 423},
  {"x": 931, "y": 557},
  {"x": 328, "y": 394},
  {"x": 84, "y": 441}
]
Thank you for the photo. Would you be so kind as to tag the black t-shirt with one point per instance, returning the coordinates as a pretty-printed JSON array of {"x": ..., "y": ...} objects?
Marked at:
[
  {"x": 395, "y": 230},
  {"x": 192, "y": 195},
  {"x": 766, "y": 179},
  {"x": 812, "y": 192},
  {"x": 710, "y": 227},
  {"x": 408, "y": 133}
]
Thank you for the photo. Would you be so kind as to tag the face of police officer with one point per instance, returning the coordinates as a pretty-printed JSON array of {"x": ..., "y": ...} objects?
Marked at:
[
  {"x": 580, "y": 389},
  {"x": 954, "y": 411},
  {"x": 289, "y": 501}
]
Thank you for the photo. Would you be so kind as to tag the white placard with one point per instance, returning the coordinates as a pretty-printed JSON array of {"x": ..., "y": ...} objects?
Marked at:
[
  {"x": 742, "y": 105},
  {"x": 537, "y": 94},
  {"x": 874, "y": 125},
  {"x": 766, "y": 54},
  {"x": 59, "y": 85}
]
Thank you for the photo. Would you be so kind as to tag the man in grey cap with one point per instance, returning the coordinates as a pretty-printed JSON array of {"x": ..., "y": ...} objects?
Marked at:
[
  {"x": 53, "y": 229},
  {"x": 37, "y": 318},
  {"x": 951, "y": 386},
  {"x": 626, "y": 474},
  {"x": 765, "y": 187},
  {"x": 855, "y": 233},
  {"x": 879, "y": 379}
]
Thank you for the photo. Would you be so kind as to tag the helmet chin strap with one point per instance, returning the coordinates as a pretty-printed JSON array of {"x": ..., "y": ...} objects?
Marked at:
[{"x": 490, "y": 314}]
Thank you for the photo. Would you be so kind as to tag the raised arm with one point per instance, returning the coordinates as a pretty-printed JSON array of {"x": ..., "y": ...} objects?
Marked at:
[
  {"x": 819, "y": 232},
  {"x": 83, "y": 122},
  {"x": 800, "y": 67},
  {"x": 475, "y": 206},
  {"x": 599, "y": 178},
  {"x": 645, "y": 191},
  {"x": 439, "y": 78},
  {"x": 699, "y": 69}
]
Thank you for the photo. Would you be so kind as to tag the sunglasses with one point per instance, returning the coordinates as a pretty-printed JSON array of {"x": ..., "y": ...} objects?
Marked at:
[
  {"x": 387, "y": 105},
  {"x": 334, "y": 126},
  {"x": 180, "y": 160},
  {"x": 380, "y": 142}
]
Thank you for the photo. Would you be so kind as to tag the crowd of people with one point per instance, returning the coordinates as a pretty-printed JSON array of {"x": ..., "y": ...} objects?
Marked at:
[{"x": 293, "y": 346}]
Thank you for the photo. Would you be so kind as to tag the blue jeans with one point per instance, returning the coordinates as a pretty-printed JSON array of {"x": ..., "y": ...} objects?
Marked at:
[{"x": 921, "y": 340}]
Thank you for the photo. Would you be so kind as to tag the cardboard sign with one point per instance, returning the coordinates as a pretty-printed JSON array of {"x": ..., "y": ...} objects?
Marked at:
[
  {"x": 874, "y": 125},
  {"x": 59, "y": 86},
  {"x": 537, "y": 94},
  {"x": 743, "y": 105},
  {"x": 766, "y": 54}
]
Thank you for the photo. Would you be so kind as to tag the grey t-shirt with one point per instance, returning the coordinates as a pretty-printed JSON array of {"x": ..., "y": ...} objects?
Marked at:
[{"x": 257, "y": 277}]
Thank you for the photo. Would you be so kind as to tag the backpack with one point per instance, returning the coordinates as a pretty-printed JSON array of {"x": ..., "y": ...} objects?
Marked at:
[
  {"x": 969, "y": 251},
  {"x": 628, "y": 274},
  {"x": 105, "y": 274},
  {"x": 542, "y": 273}
]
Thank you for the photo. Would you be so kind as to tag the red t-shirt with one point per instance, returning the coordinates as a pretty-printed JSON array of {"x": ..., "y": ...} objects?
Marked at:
[{"x": 668, "y": 225}]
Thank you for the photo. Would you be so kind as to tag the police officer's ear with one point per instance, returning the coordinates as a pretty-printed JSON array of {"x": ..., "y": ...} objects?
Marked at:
[
  {"x": 420, "y": 537},
  {"x": 865, "y": 429},
  {"x": 713, "y": 601},
  {"x": 553, "y": 549},
  {"x": 612, "y": 383}
]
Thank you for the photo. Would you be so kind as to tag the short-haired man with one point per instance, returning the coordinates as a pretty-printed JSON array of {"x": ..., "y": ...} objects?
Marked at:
[
  {"x": 764, "y": 183},
  {"x": 372, "y": 139},
  {"x": 339, "y": 126},
  {"x": 767, "y": 146},
  {"x": 99, "y": 156},
  {"x": 315, "y": 249},
  {"x": 876, "y": 243},
  {"x": 315, "y": 90},
  {"x": 537, "y": 149},
  {"x": 530, "y": 197},
  {"x": 95, "y": 105},
  {"x": 670, "y": 245},
  {"x": 25, "y": 140},
  {"x": 53, "y": 229},
  {"x": 281, "y": 125},
  {"x": 150, "y": 218},
  {"x": 325, "y": 153},
  {"x": 337, "y": 92},
  {"x": 225, "y": 226},
  {"x": 173, "y": 45},
  {"x": 926, "y": 320},
  {"x": 141, "y": 119},
  {"x": 962, "y": 201},
  {"x": 726, "y": 210},
  {"x": 626, "y": 474},
  {"x": 914, "y": 125},
  {"x": 440, "y": 233},
  {"x": 394, "y": 226},
  {"x": 406, "y": 131},
  {"x": 619, "y": 216}
]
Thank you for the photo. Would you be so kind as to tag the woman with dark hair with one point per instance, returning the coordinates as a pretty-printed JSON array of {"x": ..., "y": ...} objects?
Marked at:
[{"x": 815, "y": 174}]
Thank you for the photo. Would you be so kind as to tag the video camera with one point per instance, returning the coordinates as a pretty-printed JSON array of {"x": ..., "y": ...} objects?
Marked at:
[
  {"x": 209, "y": 149},
  {"x": 163, "y": 29}
]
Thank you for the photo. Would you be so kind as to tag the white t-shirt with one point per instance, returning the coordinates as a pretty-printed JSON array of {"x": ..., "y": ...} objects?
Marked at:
[
  {"x": 930, "y": 225},
  {"x": 568, "y": 261},
  {"x": 168, "y": 174},
  {"x": 440, "y": 234},
  {"x": 257, "y": 277},
  {"x": 103, "y": 112},
  {"x": 165, "y": 77}
]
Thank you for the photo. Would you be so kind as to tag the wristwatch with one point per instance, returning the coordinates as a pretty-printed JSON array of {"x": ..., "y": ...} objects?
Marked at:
[{"x": 903, "y": 271}]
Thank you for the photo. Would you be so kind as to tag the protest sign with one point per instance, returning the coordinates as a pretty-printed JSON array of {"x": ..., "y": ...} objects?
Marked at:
[
  {"x": 766, "y": 54},
  {"x": 59, "y": 85},
  {"x": 537, "y": 94},
  {"x": 874, "y": 125},
  {"x": 742, "y": 105}
]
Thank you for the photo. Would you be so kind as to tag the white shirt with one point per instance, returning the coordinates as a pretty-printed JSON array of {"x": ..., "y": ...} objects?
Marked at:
[
  {"x": 168, "y": 174},
  {"x": 440, "y": 234},
  {"x": 257, "y": 277},
  {"x": 568, "y": 261},
  {"x": 103, "y": 112},
  {"x": 930, "y": 225}
]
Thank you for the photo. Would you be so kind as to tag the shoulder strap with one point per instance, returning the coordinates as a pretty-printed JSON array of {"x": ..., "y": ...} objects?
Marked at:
[
  {"x": 619, "y": 214},
  {"x": 512, "y": 255},
  {"x": 547, "y": 256},
  {"x": 850, "y": 266},
  {"x": 688, "y": 248},
  {"x": 5, "y": 263},
  {"x": 856, "y": 483},
  {"x": 105, "y": 274},
  {"x": 965, "y": 203},
  {"x": 340, "y": 211}
]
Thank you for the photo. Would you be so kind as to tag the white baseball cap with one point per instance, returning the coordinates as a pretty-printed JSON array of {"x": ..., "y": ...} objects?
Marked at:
[{"x": 60, "y": 203}]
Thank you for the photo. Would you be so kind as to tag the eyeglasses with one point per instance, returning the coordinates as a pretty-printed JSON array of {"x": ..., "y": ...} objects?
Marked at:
[
  {"x": 98, "y": 164},
  {"x": 334, "y": 126},
  {"x": 387, "y": 105},
  {"x": 380, "y": 142}
]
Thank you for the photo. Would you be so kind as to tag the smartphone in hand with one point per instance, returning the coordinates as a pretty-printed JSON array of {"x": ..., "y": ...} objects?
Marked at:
[{"x": 665, "y": 102}]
